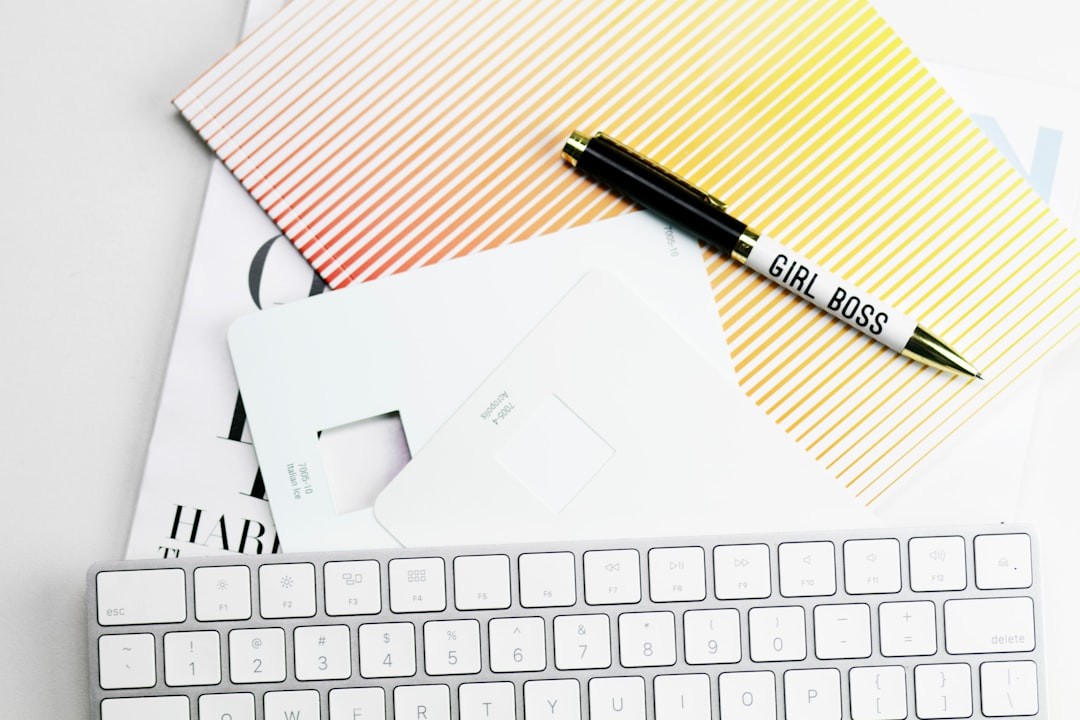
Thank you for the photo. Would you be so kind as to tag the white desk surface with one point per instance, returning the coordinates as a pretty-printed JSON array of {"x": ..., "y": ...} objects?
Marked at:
[{"x": 101, "y": 184}]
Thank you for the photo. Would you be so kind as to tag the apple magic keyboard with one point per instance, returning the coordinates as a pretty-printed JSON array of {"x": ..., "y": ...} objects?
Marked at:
[{"x": 862, "y": 625}]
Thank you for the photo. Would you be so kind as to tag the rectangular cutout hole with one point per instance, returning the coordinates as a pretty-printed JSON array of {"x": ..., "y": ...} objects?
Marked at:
[{"x": 361, "y": 458}]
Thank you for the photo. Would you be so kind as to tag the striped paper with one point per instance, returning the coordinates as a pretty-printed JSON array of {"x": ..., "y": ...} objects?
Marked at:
[{"x": 384, "y": 136}]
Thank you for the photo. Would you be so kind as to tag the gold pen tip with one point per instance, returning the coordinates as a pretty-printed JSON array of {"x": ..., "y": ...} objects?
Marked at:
[{"x": 574, "y": 147}]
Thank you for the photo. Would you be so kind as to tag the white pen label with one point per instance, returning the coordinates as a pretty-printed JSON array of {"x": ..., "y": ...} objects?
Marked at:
[{"x": 839, "y": 298}]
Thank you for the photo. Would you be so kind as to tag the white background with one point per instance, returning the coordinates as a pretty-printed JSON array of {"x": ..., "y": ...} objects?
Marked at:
[{"x": 100, "y": 187}]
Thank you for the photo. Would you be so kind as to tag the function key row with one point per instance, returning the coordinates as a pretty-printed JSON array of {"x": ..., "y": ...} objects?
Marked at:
[{"x": 549, "y": 579}]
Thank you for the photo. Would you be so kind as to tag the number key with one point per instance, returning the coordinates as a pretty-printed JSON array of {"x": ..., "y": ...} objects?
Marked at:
[
  {"x": 582, "y": 641},
  {"x": 387, "y": 650},
  {"x": 452, "y": 647},
  {"x": 322, "y": 652},
  {"x": 257, "y": 655},
  {"x": 192, "y": 658},
  {"x": 647, "y": 639},
  {"x": 777, "y": 633},
  {"x": 712, "y": 636},
  {"x": 517, "y": 644}
]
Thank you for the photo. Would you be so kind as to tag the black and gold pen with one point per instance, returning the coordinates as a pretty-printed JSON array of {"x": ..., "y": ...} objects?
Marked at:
[{"x": 703, "y": 216}]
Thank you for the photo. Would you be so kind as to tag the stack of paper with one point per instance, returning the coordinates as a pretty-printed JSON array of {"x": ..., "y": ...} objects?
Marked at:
[{"x": 383, "y": 137}]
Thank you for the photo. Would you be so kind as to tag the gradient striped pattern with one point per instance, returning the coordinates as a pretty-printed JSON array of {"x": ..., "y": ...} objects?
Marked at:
[{"x": 382, "y": 136}]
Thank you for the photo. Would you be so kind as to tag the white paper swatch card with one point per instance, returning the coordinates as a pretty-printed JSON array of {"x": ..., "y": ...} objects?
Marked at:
[
  {"x": 604, "y": 422},
  {"x": 341, "y": 388}
]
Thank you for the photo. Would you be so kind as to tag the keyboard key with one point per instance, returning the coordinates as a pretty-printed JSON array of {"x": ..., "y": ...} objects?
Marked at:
[
  {"x": 742, "y": 572},
  {"x": 712, "y": 636},
  {"x": 872, "y": 566},
  {"x": 807, "y": 569},
  {"x": 290, "y": 704},
  {"x": 352, "y": 588},
  {"x": 878, "y": 693},
  {"x": 777, "y": 633},
  {"x": 387, "y": 650},
  {"x": 943, "y": 691},
  {"x": 517, "y": 644},
  {"x": 842, "y": 631},
  {"x": 222, "y": 593},
  {"x": 547, "y": 579},
  {"x": 158, "y": 708},
  {"x": 582, "y": 642},
  {"x": 192, "y": 658},
  {"x": 812, "y": 694},
  {"x": 287, "y": 590},
  {"x": 126, "y": 661},
  {"x": 647, "y": 639},
  {"x": 487, "y": 701},
  {"x": 748, "y": 695},
  {"x": 417, "y": 585},
  {"x": 908, "y": 628},
  {"x": 141, "y": 597},
  {"x": 421, "y": 702},
  {"x": 1009, "y": 688},
  {"x": 552, "y": 700},
  {"x": 257, "y": 655},
  {"x": 482, "y": 582},
  {"x": 618, "y": 698},
  {"x": 227, "y": 706},
  {"x": 452, "y": 647},
  {"x": 367, "y": 703},
  {"x": 937, "y": 564},
  {"x": 1002, "y": 561},
  {"x": 322, "y": 652},
  {"x": 682, "y": 697},
  {"x": 989, "y": 625},
  {"x": 612, "y": 577},
  {"x": 676, "y": 574}
]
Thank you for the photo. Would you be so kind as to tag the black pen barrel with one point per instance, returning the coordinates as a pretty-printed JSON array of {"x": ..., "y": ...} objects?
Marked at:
[{"x": 659, "y": 191}]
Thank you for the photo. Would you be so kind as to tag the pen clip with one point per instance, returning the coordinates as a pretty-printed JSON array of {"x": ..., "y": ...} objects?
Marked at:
[{"x": 689, "y": 186}]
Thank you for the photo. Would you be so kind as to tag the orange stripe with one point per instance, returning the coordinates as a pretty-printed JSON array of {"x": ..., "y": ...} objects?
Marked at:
[
  {"x": 805, "y": 173},
  {"x": 242, "y": 51},
  {"x": 809, "y": 357},
  {"x": 222, "y": 92},
  {"x": 883, "y": 436},
  {"x": 852, "y": 390},
  {"x": 357, "y": 70},
  {"x": 433, "y": 197},
  {"x": 788, "y": 127},
  {"x": 506, "y": 166},
  {"x": 993, "y": 363},
  {"x": 507, "y": 185},
  {"x": 873, "y": 265},
  {"x": 339, "y": 170},
  {"x": 989, "y": 257},
  {"x": 997, "y": 305},
  {"x": 279, "y": 178},
  {"x": 224, "y": 123},
  {"x": 950, "y": 433},
  {"x": 309, "y": 83},
  {"x": 868, "y": 397},
  {"x": 841, "y": 351}
]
